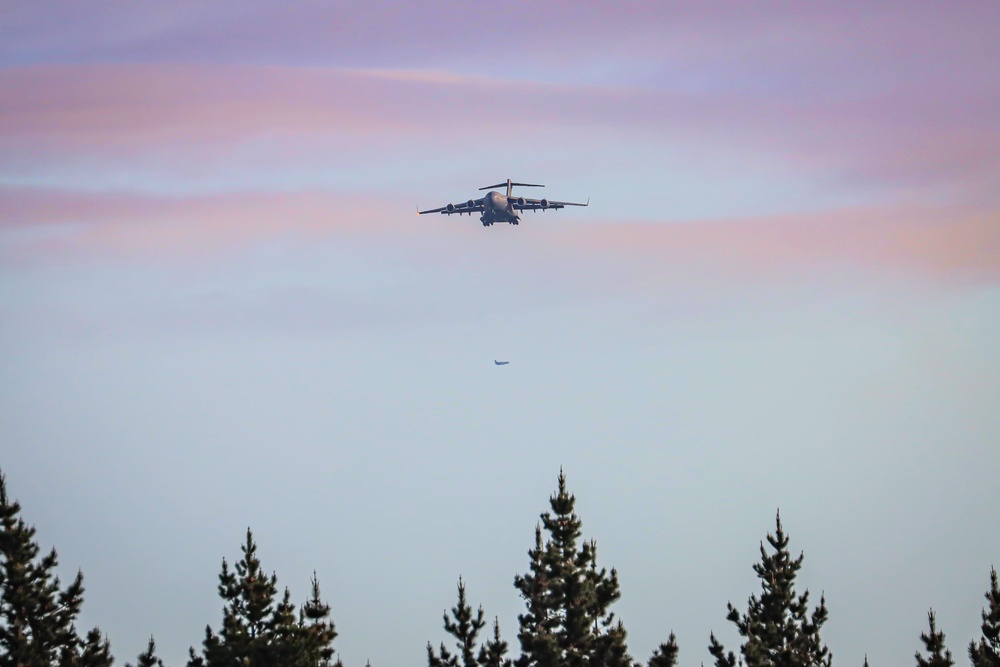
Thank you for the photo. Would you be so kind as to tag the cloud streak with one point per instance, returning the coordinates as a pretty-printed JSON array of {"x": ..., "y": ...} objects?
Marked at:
[
  {"x": 942, "y": 244},
  {"x": 946, "y": 244},
  {"x": 246, "y": 117},
  {"x": 761, "y": 44}
]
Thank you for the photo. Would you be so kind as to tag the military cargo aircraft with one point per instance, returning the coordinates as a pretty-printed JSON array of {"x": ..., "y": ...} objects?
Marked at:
[
  {"x": 497, "y": 207},
  {"x": 500, "y": 363}
]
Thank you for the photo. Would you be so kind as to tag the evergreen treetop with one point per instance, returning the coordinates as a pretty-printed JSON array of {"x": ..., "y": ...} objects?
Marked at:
[
  {"x": 316, "y": 629},
  {"x": 665, "y": 655},
  {"x": 987, "y": 652},
  {"x": 37, "y": 615},
  {"x": 148, "y": 657},
  {"x": 933, "y": 639},
  {"x": 464, "y": 627},
  {"x": 568, "y": 621},
  {"x": 493, "y": 653},
  {"x": 777, "y": 627},
  {"x": 258, "y": 629}
]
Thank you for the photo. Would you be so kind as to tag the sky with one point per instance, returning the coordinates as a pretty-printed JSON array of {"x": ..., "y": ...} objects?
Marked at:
[{"x": 218, "y": 309}]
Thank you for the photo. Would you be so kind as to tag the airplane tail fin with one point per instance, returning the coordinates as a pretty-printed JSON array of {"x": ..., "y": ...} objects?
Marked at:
[{"x": 510, "y": 184}]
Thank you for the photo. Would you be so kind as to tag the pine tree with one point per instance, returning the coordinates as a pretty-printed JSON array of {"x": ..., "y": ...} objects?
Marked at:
[
  {"x": 987, "y": 652},
  {"x": 317, "y": 630},
  {"x": 493, "y": 653},
  {"x": 250, "y": 597},
  {"x": 718, "y": 651},
  {"x": 666, "y": 654},
  {"x": 464, "y": 628},
  {"x": 94, "y": 651},
  {"x": 937, "y": 654},
  {"x": 777, "y": 627},
  {"x": 148, "y": 657},
  {"x": 258, "y": 629},
  {"x": 36, "y": 614},
  {"x": 567, "y": 621}
]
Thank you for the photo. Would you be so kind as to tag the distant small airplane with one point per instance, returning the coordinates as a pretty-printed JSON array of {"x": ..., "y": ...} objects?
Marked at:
[
  {"x": 500, "y": 363},
  {"x": 496, "y": 207}
]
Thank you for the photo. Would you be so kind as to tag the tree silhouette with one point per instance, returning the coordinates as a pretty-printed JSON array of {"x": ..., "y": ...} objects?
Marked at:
[
  {"x": 148, "y": 657},
  {"x": 464, "y": 627},
  {"x": 37, "y": 615},
  {"x": 568, "y": 621},
  {"x": 987, "y": 652},
  {"x": 258, "y": 629},
  {"x": 777, "y": 628},
  {"x": 666, "y": 654},
  {"x": 937, "y": 654},
  {"x": 493, "y": 653}
]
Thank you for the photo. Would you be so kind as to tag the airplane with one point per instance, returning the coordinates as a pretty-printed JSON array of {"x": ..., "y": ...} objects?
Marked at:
[
  {"x": 497, "y": 207},
  {"x": 500, "y": 363}
]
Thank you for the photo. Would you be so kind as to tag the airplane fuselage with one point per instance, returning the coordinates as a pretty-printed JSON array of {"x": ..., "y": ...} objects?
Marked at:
[{"x": 498, "y": 208}]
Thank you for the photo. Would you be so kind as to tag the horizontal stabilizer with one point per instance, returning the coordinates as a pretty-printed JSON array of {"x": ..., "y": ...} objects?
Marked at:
[{"x": 504, "y": 185}]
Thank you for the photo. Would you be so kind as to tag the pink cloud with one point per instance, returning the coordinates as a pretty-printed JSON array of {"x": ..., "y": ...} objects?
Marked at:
[
  {"x": 170, "y": 228},
  {"x": 949, "y": 244},
  {"x": 137, "y": 107},
  {"x": 815, "y": 41},
  {"x": 110, "y": 106},
  {"x": 907, "y": 138},
  {"x": 940, "y": 244}
]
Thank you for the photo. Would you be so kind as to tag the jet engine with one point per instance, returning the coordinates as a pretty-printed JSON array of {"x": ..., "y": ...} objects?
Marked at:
[
  {"x": 470, "y": 203},
  {"x": 520, "y": 201},
  {"x": 450, "y": 208},
  {"x": 545, "y": 203}
]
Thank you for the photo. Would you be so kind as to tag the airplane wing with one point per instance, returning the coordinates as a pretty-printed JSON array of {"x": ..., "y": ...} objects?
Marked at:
[
  {"x": 470, "y": 207},
  {"x": 544, "y": 204}
]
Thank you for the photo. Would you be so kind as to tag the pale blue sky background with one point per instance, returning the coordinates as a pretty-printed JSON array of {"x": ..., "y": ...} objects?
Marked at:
[{"x": 218, "y": 309}]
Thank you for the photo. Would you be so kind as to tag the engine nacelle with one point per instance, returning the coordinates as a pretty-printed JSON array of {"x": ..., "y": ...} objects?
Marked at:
[
  {"x": 545, "y": 203},
  {"x": 520, "y": 201},
  {"x": 470, "y": 203},
  {"x": 450, "y": 208}
]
